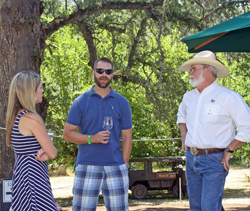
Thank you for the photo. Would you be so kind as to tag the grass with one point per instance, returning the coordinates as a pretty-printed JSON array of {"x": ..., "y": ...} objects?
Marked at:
[{"x": 237, "y": 190}]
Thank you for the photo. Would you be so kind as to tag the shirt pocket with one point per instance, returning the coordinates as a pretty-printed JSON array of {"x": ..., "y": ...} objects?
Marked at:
[{"x": 211, "y": 112}]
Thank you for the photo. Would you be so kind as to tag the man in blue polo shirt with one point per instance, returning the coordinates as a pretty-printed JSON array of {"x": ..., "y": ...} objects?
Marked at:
[{"x": 100, "y": 164}]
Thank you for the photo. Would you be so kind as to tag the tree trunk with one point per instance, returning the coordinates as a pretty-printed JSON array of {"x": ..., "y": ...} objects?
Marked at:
[{"x": 20, "y": 46}]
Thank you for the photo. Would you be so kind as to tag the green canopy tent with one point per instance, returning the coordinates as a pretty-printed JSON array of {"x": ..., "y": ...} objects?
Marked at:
[{"x": 230, "y": 36}]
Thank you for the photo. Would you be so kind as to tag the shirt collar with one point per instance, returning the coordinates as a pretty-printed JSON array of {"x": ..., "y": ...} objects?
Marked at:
[
  {"x": 111, "y": 94},
  {"x": 209, "y": 88}
]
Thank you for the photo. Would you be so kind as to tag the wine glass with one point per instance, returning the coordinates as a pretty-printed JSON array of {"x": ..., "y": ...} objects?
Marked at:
[
  {"x": 51, "y": 134},
  {"x": 107, "y": 124}
]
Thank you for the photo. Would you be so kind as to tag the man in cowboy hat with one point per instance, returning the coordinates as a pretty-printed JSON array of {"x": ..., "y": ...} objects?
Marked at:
[{"x": 207, "y": 118}]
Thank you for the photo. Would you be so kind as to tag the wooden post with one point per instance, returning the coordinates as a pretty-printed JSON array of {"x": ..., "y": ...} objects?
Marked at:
[{"x": 180, "y": 189}]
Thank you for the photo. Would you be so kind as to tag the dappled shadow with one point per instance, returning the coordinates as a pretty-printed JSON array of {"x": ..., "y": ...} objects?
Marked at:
[
  {"x": 157, "y": 194},
  {"x": 238, "y": 208},
  {"x": 166, "y": 208},
  {"x": 64, "y": 202},
  {"x": 158, "y": 201},
  {"x": 163, "y": 209},
  {"x": 236, "y": 193},
  {"x": 160, "y": 209},
  {"x": 178, "y": 208}
]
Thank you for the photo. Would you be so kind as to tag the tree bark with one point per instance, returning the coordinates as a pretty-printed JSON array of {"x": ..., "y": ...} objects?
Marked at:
[{"x": 20, "y": 45}]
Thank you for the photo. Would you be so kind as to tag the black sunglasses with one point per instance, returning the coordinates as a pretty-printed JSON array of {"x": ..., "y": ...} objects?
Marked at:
[{"x": 101, "y": 71}]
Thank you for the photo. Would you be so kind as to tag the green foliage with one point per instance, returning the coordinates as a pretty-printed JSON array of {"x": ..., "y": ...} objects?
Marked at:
[
  {"x": 52, "y": 9},
  {"x": 146, "y": 55},
  {"x": 65, "y": 74},
  {"x": 154, "y": 104},
  {"x": 55, "y": 9}
]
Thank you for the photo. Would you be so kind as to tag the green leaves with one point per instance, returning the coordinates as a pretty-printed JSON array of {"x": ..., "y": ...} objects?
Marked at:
[
  {"x": 146, "y": 50},
  {"x": 65, "y": 74}
]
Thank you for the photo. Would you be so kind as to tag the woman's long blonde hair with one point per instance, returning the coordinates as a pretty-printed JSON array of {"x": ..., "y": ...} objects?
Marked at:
[{"x": 22, "y": 91}]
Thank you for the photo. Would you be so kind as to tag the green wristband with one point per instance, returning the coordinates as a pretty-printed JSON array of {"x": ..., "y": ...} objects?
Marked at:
[{"x": 89, "y": 139}]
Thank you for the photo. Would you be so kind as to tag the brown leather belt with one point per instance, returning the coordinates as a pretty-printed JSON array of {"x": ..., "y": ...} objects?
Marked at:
[{"x": 196, "y": 151}]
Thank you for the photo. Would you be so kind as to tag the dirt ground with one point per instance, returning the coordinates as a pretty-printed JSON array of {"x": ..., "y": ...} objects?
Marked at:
[
  {"x": 236, "y": 194},
  {"x": 171, "y": 207}
]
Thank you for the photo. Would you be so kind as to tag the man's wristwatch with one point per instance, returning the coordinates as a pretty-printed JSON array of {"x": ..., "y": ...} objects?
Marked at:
[{"x": 228, "y": 150}]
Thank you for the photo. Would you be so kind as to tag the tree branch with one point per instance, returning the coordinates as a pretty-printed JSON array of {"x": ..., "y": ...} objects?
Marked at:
[
  {"x": 133, "y": 49},
  {"x": 90, "y": 42},
  {"x": 56, "y": 24},
  {"x": 230, "y": 4}
]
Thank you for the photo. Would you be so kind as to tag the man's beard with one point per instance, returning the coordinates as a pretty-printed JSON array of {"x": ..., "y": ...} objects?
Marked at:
[
  {"x": 97, "y": 81},
  {"x": 195, "y": 82}
]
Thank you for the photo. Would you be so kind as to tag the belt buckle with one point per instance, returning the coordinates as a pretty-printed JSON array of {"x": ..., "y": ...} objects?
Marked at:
[{"x": 193, "y": 150}]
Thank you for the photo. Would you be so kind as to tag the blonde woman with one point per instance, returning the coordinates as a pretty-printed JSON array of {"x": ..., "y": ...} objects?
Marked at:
[{"x": 32, "y": 146}]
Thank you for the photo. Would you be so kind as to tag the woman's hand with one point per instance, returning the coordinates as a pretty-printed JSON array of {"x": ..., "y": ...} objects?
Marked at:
[{"x": 41, "y": 155}]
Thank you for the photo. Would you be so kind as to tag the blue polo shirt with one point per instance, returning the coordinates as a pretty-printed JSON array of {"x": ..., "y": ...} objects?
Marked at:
[{"x": 87, "y": 112}]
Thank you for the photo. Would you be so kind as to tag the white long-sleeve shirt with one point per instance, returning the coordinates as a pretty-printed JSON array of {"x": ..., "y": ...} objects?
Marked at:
[{"x": 211, "y": 117}]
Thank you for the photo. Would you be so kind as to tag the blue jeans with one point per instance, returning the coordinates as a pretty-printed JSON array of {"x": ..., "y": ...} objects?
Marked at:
[{"x": 206, "y": 178}]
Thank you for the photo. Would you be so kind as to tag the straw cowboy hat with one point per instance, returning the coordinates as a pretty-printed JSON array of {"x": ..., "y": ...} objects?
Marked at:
[{"x": 209, "y": 58}]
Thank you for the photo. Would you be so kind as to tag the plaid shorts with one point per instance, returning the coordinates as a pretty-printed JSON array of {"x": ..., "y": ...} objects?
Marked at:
[{"x": 112, "y": 180}]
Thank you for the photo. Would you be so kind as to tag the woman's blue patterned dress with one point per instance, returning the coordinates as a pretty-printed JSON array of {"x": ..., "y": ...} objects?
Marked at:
[{"x": 31, "y": 188}]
